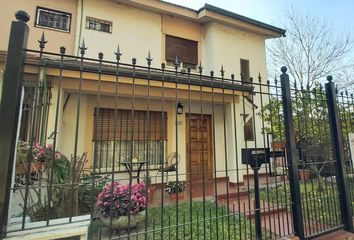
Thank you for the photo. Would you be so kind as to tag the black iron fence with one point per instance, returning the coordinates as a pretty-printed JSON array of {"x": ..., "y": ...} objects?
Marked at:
[{"x": 139, "y": 152}]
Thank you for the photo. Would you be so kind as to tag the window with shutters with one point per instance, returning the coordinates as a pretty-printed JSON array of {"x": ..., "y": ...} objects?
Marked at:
[
  {"x": 245, "y": 70},
  {"x": 186, "y": 51},
  {"x": 248, "y": 130},
  {"x": 98, "y": 25},
  {"x": 123, "y": 135}
]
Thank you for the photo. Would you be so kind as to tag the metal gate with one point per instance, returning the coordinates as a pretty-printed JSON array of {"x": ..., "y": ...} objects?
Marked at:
[{"x": 139, "y": 152}]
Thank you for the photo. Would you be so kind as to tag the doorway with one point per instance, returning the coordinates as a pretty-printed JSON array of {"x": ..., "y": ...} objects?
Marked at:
[{"x": 199, "y": 147}]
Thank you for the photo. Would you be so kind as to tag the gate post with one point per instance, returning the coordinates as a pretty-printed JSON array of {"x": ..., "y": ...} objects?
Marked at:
[
  {"x": 9, "y": 110},
  {"x": 291, "y": 154},
  {"x": 338, "y": 154}
]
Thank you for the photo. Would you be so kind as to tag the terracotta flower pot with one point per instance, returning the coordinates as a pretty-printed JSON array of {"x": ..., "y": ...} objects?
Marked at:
[
  {"x": 278, "y": 145},
  {"x": 35, "y": 167},
  {"x": 122, "y": 222},
  {"x": 174, "y": 196},
  {"x": 151, "y": 192},
  {"x": 304, "y": 174}
]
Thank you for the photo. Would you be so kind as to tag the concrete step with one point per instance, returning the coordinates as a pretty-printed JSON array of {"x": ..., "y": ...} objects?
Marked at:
[{"x": 247, "y": 207}]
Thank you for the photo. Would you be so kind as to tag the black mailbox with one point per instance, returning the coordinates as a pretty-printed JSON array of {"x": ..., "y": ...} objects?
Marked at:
[{"x": 255, "y": 157}]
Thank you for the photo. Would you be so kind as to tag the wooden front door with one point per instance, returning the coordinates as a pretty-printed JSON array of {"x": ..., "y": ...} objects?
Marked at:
[{"x": 199, "y": 147}]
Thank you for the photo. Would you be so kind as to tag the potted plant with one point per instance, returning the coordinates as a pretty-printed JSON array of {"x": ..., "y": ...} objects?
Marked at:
[
  {"x": 123, "y": 203},
  {"x": 305, "y": 173},
  {"x": 175, "y": 190},
  {"x": 38, "y": 158}
]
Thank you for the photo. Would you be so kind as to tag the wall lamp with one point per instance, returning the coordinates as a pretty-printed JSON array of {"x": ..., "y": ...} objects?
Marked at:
[{"x": 179, "y": 108}]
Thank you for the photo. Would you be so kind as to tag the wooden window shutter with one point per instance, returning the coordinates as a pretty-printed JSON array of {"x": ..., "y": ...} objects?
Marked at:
[
  {"x": 185, "y": 50},
  {"x": 245, "y": 70},
  {"x": 128, "y": 127},
  {"x": 248, "y": 130}
]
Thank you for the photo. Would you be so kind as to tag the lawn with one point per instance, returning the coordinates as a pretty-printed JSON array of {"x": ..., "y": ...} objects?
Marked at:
[
  {"x": 320, "y": 203},
  {"x": 164, "y": 224},
  {"x": 217, "y": 225}
]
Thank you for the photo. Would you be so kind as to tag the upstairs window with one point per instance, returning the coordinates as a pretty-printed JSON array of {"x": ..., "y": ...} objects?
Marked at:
[
  {"x": 98, "y": 25},
  {"x": 186, "y": 51},
  {"x": 245, "y": 70},
  {"x": 53, "y": 19}
]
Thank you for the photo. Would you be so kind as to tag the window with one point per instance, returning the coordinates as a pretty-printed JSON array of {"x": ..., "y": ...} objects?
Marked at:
[
  {"x": 49, "y": 18},
  {"x": 185, "y": 50},
  {"x": 130, "y": 136},
  {"x": 98, "y": 25},
  {"x": 245, "y": 70},
  {"x": 248, "y": 129}
]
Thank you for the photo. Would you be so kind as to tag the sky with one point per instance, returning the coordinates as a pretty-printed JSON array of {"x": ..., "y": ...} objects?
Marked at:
[{"x": 339, "y": 13}]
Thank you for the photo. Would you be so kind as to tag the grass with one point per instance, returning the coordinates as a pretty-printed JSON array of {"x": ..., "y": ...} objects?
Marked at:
[
  {"x": 191, "y": 224},
  {"x": 166, "y": 225},
  {"x": 320, "y": 203}
]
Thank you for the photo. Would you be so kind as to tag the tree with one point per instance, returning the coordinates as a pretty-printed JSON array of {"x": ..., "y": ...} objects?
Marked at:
[{"x": 311, "y": 50}]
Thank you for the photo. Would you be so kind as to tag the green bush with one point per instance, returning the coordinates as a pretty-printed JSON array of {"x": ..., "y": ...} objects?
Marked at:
[{"x": 87, "y": 194}]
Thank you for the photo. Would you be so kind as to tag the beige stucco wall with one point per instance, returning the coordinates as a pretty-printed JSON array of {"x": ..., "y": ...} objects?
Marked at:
[
  {"x": 234, "y": 121},
  {"x": 136, "y": 31},
  {"x": 69, "y": 126},
  {"x": 225, "y": 46},
  {"x": 55, "y": 39},
  {"x": 85, "y": 133},
  {"x": 54, "y": 115}
]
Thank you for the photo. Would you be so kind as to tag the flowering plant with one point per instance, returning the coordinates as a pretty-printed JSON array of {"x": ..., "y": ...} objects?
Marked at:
[
  {"x": 175, "y": 187},
  {"x": 121, "y": 199},
  {"x": 39, "y": 153}
]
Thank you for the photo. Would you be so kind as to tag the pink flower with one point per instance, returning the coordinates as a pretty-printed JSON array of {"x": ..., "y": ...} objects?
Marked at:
[{"x": 57, "y": 155}]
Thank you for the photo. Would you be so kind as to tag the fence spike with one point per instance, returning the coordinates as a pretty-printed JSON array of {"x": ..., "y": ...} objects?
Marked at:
[
  {"x": 134, "y": 61},
  {"x": 200, "y": 67},
  {"x": 118, "y": 53},
  {"x": 176, "y": 62},
  {"x": 222, "y": 70},
  {"x": 149, "y": 59},
  {"x": 42, "y": 41},
  {"x": 83, "y": 48},
  {"x": 259, "y": 77}
]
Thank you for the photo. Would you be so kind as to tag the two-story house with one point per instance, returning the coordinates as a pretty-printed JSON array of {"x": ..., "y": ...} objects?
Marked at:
[{"x": 198, "y": 121}]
